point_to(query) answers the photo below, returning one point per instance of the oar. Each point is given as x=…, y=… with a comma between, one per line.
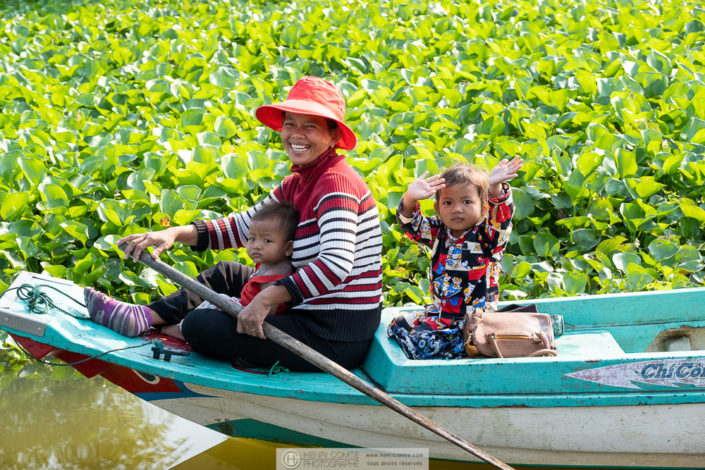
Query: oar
x=318, y=359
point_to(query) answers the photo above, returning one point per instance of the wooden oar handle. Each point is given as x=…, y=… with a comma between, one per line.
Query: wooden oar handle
x=226, y=305
x=314, y=357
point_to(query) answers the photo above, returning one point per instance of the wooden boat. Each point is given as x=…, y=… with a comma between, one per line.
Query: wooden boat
x=627, y=388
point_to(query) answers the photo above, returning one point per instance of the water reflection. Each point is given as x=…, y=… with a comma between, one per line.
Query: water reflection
x=56, y=419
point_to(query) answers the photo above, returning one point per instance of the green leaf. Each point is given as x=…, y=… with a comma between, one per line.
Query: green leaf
x=171, y=202
x=523, y=204
x=416, y=294
x=546, y=245
x=13, y=205
x=694, y=131
x=637, y=278
x=113, y=211
x=691, y=210
x=647, y=187
x=626, y=163
x=33, y=169
x=588, y=162
x=585, y=238
x=192, y=117
x=662, y=249
x=574, y=282
x=225, y=127
x=622, y=260
x=233, y=166
x=224, y=77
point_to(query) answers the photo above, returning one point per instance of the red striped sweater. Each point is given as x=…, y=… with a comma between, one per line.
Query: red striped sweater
x=337, y=247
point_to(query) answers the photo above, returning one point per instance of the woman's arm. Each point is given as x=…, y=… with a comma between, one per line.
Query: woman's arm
x=229, y=232
x=161, y=240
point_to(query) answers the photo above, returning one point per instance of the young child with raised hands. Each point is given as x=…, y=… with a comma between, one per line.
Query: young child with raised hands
x=467, y=236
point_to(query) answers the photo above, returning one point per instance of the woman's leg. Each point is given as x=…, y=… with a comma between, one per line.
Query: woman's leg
x=132, y=320
x=213, y=333
x=226, y=277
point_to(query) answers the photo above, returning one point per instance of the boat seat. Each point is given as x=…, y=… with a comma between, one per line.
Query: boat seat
x=593, y=343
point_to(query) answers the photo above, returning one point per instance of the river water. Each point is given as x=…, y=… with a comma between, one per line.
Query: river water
x=54, y=418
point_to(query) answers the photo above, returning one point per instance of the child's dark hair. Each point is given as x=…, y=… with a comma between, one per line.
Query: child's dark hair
x=464, y=173
x=284, y=212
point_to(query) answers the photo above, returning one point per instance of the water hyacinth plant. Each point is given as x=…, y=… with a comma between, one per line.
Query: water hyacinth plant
x=121, y=117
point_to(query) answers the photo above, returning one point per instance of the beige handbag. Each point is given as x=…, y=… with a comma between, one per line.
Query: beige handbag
x=508, y=334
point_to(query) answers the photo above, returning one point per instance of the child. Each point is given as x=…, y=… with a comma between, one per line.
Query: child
x=270, y=244
x=467, y=235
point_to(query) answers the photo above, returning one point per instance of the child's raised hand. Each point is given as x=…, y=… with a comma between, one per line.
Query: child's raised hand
x=505, y=170
x=424, y=188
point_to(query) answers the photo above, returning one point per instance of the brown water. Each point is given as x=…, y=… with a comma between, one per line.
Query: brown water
x=66, y=421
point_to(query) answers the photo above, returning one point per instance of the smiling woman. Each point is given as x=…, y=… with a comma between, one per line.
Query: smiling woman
x=334, y=295
x=305, y=137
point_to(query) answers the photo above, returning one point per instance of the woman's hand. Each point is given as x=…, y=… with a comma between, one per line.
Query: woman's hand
x=250, y=319
x=162, y=241
x=421, y=188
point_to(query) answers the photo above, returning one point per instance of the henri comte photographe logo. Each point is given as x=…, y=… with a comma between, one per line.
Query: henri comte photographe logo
x=351, y=458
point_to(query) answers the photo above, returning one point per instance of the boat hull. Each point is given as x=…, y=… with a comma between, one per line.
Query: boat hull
x=662, y=436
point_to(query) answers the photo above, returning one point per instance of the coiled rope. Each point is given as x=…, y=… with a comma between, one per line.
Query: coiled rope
x=39, y=302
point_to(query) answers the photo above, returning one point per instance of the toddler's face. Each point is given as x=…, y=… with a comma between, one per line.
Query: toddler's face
x=460, y=207
x=267, y=243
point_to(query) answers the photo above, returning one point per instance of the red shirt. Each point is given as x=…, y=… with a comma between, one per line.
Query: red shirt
x=254, y=286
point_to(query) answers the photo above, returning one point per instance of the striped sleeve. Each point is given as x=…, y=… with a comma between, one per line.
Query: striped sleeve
x=232, y=231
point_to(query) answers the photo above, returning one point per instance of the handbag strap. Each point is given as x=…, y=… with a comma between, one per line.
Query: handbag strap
x=493, y=342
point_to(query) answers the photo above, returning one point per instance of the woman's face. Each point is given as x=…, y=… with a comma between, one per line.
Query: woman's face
x=305, y=137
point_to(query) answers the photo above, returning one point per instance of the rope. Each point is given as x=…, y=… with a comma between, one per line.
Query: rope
x=39, y=302
x=89, y=358
x=277, y=369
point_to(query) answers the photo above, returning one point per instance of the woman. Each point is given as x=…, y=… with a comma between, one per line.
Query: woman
x=334, y=294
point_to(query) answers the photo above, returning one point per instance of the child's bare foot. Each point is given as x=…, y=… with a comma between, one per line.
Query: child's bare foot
x=173, y=330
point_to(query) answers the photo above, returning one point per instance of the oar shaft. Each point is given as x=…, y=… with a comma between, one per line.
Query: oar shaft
x=318, y=359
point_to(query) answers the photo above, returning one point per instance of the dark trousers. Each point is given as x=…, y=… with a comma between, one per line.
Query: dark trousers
x=213, y=333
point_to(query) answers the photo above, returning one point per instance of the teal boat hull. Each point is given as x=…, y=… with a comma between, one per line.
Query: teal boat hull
x=627, y=388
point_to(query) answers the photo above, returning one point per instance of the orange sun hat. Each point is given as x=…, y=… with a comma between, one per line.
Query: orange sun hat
x=313, y=96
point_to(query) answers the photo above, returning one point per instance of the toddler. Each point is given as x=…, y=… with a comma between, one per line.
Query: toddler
x=467, y=236
x=270, y=244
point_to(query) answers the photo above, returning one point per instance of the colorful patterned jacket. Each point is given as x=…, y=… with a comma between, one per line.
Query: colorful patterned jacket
x=464, y=270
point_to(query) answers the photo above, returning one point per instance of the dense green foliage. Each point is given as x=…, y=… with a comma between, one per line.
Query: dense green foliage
x=120, y=116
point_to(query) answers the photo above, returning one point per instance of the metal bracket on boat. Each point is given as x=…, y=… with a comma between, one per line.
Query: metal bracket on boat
x=23, y=322
x=158, y=349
